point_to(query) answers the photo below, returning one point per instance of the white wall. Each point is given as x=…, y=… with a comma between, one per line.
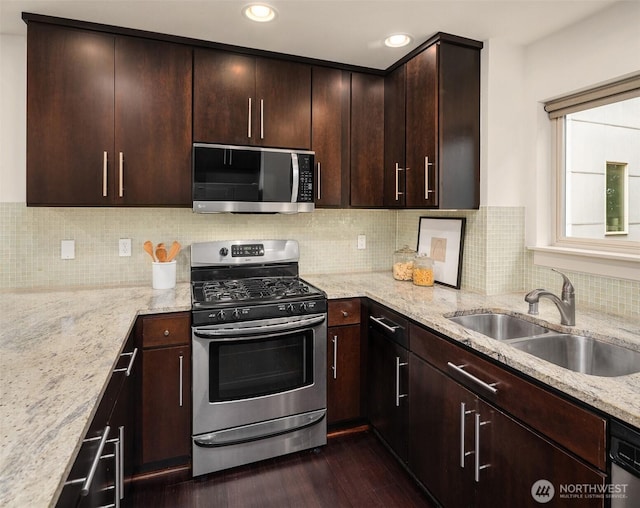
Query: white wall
x=13, y=100
x=600, y=49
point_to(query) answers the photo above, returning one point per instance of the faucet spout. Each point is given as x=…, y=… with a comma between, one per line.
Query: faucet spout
x=566, y=305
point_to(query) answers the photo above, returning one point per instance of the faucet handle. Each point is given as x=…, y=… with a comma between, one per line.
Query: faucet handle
x=567, y=287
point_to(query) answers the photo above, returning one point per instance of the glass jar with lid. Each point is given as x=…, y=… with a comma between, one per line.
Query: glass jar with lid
x=423, y=271
x=403, y=263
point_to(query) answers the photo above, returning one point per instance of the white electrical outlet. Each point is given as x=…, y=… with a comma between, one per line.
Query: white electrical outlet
x=362, y=242
x=68, y=249
x=124, y=247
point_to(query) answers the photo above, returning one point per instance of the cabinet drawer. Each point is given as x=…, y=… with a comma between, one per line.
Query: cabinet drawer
x=166, y=330
x=571, y=426
x=344, y=312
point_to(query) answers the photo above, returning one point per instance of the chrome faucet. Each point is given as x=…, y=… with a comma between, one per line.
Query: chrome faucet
x=566, y=305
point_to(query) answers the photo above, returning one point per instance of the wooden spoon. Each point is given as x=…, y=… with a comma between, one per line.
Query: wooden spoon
x=148, y=247
x=173, y=251
x=161, y=253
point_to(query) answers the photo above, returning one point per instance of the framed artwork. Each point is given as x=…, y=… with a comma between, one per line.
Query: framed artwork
x=442, y=239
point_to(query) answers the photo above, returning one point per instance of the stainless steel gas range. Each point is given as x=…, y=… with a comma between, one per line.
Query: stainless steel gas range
x=259, y=341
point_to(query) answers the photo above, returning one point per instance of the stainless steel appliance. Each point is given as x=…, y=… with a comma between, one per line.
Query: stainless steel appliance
x=625, y=466
x=251, y=179
x=259, y=342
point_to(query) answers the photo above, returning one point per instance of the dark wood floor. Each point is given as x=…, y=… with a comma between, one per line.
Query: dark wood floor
x=353, y=470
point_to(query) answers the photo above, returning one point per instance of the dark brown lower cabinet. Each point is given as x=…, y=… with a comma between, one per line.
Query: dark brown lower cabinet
x=388, y=402
x=165, y=438
x=343, y=374
x=467, y=452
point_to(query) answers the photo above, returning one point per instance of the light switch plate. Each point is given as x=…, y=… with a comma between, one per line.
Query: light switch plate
x=362, y=242
x=68, y=249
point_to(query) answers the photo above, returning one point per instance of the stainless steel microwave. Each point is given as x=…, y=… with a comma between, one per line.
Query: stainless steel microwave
x=251, y=179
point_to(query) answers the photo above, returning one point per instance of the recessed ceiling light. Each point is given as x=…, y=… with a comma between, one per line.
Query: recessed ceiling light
x=259, y=12
x=397, y=40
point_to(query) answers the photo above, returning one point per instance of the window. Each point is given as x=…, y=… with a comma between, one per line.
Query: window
x=597, y=138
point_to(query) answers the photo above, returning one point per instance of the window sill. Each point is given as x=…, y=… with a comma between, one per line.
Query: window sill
x=607, y=264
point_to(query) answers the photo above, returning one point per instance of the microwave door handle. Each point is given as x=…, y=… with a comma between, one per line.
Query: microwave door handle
x=295, y=176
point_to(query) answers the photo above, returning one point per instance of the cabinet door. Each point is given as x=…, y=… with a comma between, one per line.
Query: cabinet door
x=153, y=123
x=438, y=442
x=387, y=387
x=394, y=138
x=512, y=458
x=343, y=373
x=224, y=102
x=70, y=95
x=367, y=140
x=422, y=129
x=329, y=127
x=166, y=405
x=283, y=96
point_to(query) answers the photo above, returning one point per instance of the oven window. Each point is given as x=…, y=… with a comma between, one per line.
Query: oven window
x=253, y=368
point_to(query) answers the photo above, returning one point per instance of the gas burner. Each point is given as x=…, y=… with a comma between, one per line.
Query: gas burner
x=253, y=289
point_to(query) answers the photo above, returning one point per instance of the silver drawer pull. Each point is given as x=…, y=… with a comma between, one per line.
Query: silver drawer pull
x=379, y=321
x=398, y=394
x=487, y=386
x=334, y=367
x=88, y=480
x=128, y=368
x=477, y=451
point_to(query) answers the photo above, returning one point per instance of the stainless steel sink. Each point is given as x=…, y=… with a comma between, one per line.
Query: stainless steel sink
x=499, y=326
x=581, y=354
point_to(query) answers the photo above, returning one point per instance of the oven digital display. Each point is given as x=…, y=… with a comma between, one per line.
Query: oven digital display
x=240, y=251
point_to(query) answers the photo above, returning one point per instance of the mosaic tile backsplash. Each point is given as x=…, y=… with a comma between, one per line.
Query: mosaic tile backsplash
x=495, y=260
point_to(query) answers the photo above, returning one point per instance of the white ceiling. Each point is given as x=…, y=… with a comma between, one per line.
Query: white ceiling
x=347, y=31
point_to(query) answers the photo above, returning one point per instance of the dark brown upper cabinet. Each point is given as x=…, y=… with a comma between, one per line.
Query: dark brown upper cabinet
x=108, y=119
x=367, y=140
x=330, y=135
x=432, y=128
x=246, y=100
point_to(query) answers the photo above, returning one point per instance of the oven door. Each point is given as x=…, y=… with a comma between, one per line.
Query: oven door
x=256, y=371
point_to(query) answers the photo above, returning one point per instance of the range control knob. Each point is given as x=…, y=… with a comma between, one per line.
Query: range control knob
x=221, y=315
x=236, y=313
x=224, y=251
x=303, y=306
x=291, y=307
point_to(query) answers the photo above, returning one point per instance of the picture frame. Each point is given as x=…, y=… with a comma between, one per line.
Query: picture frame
x=442, y=239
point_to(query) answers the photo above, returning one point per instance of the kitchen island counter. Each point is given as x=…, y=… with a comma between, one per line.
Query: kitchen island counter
x=57, y=352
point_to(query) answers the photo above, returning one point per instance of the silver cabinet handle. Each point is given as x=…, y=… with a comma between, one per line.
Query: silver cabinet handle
x=345, y=314
x=334, y=368
x=121, y=461
x=427, y=191
x=121, y=174
x=105, y=158
x=261, y=118
x=319, y=181
x=398, y=394
x=128, y=368
x=398, y=193
x=379, y=321
x=88, y=480
x=180, y=381
x=249, y=122
x=463, y=417
x=118, y=487
x=460, y=370
x=477, y=449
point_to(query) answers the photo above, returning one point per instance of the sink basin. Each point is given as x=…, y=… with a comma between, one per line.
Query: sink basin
x=581, y=354
x=499, y=326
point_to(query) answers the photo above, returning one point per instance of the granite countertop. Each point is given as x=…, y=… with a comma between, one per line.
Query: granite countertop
x=58, y=348
x=57, y=351
x=430, y=306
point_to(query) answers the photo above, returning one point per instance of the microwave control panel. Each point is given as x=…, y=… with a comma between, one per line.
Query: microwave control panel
x=305, y=189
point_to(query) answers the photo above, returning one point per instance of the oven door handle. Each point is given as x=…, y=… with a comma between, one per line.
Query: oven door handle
x=253, y=330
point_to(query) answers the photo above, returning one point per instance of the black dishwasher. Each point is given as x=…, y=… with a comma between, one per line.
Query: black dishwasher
x=625, y=466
